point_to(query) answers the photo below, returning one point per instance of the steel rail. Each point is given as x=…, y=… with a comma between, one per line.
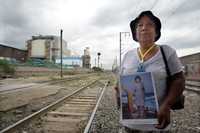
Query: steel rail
x=195, y=86
x=87, y=128
x=42, y=111
x=192, y=89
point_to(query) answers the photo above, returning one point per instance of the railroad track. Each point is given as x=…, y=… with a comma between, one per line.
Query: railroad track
x=193, y=85
x=42, y=83
x=72, y=113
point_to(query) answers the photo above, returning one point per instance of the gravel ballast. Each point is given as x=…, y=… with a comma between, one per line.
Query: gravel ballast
x=182, y=121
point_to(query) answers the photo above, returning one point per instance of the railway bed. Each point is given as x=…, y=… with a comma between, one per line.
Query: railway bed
x=69, y=114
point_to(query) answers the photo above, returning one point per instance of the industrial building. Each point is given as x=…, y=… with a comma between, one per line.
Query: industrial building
x=11, y=53
x=86, y=58
x=191, y=65
x=74, y=60
x=46, y=48
x=71, y=61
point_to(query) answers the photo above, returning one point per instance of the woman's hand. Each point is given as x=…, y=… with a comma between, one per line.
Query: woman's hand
x=116, y=88
x=163, y=116
x=176, y=87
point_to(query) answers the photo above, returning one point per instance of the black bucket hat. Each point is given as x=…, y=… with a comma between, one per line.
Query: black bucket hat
x=149, y=14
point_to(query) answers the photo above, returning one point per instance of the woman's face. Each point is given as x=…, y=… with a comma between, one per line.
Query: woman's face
x=145, y=31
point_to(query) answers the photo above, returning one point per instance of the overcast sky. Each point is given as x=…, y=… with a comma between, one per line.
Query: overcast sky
x=97, y=23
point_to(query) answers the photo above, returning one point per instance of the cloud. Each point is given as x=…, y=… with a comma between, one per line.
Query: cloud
x=12, y=14
x=120, y=12
x=187, y=7
x=13, y=21
x=97, y=23
x=18, y=22
x=184, y=43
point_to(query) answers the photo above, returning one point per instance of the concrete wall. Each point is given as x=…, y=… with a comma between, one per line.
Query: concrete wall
x=190, y=58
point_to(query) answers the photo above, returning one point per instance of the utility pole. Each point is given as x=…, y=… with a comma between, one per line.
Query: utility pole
x=61, y=58
x=95, y=62
x=120, y=46
x=98, y=54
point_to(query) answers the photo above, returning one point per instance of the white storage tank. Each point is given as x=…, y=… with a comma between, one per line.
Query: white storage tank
x=38, y=48
x=46, y=47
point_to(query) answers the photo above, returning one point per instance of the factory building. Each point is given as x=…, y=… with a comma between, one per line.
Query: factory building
x=71, y=61
x=86, y=58
x=191, y=65
x=12, y=54
x=46, y=47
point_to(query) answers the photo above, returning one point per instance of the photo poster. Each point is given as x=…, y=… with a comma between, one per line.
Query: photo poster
x=138, y=99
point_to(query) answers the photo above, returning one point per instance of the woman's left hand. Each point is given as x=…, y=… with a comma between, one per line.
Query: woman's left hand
x=163, y=116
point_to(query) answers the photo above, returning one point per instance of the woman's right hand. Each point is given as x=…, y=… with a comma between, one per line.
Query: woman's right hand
x=116, y=88
x=163, y=116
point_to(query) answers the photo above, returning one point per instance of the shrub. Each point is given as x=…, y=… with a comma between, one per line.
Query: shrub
x=97, y=69
x=6, y=68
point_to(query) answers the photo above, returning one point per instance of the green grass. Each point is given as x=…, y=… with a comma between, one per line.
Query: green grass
x=6, y=68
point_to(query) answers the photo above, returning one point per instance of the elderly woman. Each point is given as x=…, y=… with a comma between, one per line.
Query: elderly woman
x=148, y=58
